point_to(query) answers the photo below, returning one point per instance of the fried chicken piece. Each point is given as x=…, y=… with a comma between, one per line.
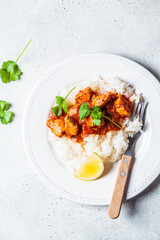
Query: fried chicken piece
x=89, y=121
x=71, y=126
x=56, y=126
x=84, y=95
x=94, y=96
x=123, y=105
x=101, y=100
x=74, y=111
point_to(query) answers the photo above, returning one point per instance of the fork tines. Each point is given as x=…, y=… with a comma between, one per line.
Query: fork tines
x=139, y=111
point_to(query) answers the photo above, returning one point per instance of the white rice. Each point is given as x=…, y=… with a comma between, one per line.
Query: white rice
x=110, y=146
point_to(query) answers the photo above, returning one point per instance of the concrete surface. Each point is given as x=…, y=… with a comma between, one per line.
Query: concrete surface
x=62, y=29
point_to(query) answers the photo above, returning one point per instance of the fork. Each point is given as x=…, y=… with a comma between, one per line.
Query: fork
x=138, y=111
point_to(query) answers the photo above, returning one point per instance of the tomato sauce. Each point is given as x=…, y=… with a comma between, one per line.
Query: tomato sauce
x=117, y=109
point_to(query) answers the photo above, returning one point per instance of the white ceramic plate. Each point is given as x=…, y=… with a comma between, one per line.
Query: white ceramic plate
x=147, y=164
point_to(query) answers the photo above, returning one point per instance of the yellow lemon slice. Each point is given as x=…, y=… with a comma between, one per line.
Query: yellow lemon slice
x=92, y=169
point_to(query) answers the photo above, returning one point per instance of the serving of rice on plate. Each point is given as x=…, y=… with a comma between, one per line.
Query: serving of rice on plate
x=111, y=146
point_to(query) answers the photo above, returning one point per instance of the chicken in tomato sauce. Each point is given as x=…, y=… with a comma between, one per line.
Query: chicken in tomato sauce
x=114, y=106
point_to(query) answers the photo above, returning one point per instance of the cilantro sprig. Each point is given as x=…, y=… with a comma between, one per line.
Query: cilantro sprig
x=111, y=121
x=5, y=115
x=84, y=111
x=10, y=70
x=95, y=113
x=61, y=104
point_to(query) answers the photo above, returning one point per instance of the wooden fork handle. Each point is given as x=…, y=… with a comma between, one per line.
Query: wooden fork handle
x=117, y=197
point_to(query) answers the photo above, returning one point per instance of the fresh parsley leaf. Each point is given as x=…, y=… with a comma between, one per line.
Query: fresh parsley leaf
x=4, y=105
x=97, y=121
x=10, y=70
x=84, y=111
x=59, y=100
x=13, y=70
x=61, y=104
x=96, y=113
x=64, y=105
x=57, y=110
x=4, y=75
x=1, y=113
x=5, y=116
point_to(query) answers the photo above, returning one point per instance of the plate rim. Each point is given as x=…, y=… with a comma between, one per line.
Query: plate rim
x=26, y=142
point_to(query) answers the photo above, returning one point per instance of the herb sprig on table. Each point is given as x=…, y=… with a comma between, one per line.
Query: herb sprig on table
x=95, y=113
x=5, y=115
x=10, y=70
x=61, y=105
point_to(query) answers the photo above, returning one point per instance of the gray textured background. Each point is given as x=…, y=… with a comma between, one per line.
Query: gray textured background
x=62, y=29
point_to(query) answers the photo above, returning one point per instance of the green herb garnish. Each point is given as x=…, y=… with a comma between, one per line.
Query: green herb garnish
x=95, y=112
x=84, y=111
x=112, y=121
x=61, y=104
x=10, y=70
x=96, y=115
x=5, y=115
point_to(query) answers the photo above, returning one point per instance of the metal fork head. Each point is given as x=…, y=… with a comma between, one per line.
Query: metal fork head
x=139, y=111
